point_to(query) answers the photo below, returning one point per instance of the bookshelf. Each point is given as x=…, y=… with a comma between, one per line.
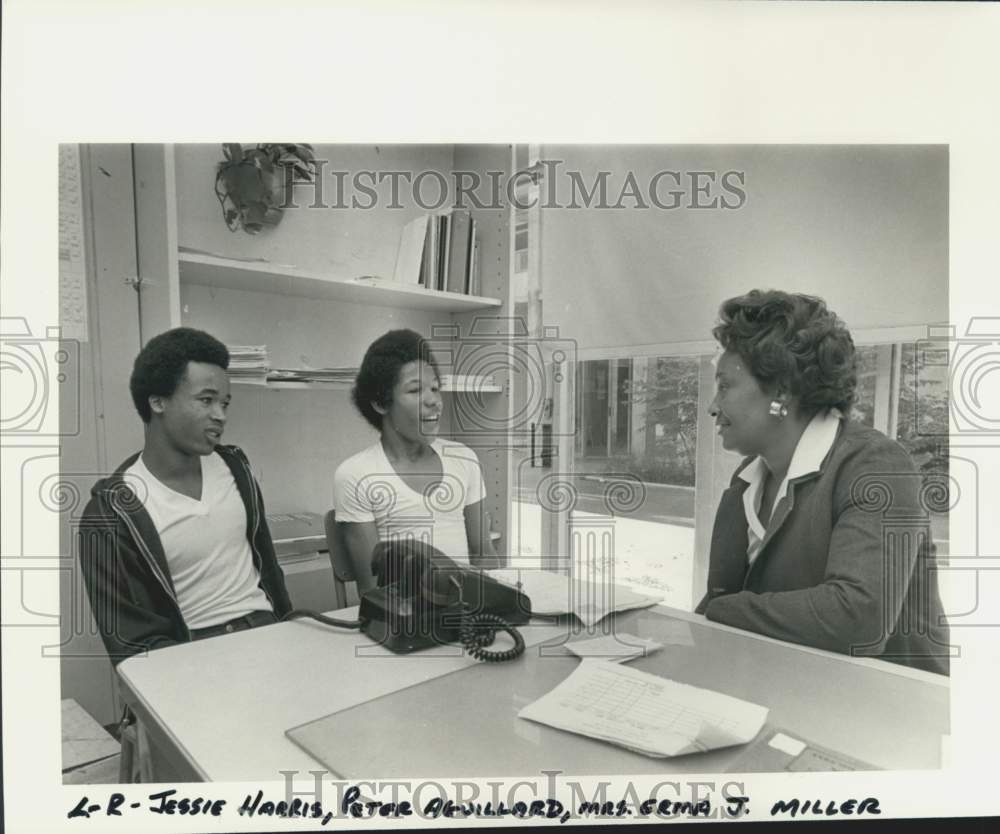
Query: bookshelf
x=480, y=385
x=229, y=273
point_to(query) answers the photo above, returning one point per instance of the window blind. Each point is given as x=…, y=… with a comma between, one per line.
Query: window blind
x=640, y=244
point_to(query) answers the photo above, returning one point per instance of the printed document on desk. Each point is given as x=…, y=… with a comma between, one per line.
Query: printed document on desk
x=646, y=713
x=555, y=593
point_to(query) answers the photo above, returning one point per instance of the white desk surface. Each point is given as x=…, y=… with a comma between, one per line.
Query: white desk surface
x=223, y=705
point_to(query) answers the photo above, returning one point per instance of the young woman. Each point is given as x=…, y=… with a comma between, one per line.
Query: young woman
x=410, y=483
x=821, y=538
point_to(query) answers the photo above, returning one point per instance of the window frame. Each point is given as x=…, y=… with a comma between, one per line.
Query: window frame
x=714, y=465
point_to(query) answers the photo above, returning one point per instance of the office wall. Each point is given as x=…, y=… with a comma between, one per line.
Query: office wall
x=342, y=242
x=865, y=227
x=108, y=427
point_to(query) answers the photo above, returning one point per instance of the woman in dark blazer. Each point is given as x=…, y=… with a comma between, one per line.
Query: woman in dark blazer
x=822, y=537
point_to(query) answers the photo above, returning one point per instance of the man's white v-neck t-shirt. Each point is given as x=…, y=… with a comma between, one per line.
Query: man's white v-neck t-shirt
x=205, y=543
x=367, y=489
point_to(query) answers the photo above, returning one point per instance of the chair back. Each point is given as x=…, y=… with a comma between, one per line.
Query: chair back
x=340, y=559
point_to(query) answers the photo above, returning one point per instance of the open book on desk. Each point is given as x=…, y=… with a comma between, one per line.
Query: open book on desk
x=645, y=713
x=556, y=593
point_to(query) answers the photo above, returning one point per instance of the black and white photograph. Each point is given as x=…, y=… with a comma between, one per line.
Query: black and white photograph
x=463, y=476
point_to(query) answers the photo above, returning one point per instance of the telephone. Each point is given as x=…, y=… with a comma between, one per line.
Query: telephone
x=424, y=599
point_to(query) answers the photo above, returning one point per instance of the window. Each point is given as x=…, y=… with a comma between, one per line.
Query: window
x=636, y=422
x=635, y=426
x=864, y=402
x=922, y=426
x=916, y=411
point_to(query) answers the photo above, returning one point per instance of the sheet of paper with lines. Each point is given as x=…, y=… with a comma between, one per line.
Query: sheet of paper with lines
x=646, y=713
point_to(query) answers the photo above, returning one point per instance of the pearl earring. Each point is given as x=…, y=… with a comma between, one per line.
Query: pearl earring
x=778, y=409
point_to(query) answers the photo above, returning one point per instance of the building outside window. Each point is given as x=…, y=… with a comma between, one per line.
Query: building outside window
x=636, y=419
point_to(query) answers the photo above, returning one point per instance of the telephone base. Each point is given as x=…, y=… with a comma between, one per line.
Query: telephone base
x=402, y=628
x=429, y=597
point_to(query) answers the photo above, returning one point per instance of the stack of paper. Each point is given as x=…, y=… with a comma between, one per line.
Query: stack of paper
x=466, y=382
x=554, y=593
x=334, y=376
x=645, y=713
x=248, y=363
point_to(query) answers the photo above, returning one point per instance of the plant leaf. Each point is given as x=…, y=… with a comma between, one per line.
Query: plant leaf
x=247, y=187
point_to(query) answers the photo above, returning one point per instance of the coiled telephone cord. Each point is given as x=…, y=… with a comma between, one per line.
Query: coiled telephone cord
x=478, y=631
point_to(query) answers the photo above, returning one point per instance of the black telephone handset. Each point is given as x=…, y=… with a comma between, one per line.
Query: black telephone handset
x=424, y=599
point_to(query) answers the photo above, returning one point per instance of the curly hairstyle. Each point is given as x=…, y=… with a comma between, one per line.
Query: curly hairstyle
x=794, y=342
x=379, y=371
x=161, y=364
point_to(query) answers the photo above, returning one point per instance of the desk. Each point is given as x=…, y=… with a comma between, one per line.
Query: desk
x=219, y=708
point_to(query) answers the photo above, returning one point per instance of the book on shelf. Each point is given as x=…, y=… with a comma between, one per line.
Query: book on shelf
x=411, y=251
x=472, y=287
x=440, y=252
x=444, y=243
x=429, y=263
x=459, y=246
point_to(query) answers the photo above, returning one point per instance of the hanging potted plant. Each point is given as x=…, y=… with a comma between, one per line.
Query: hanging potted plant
x=253, y=184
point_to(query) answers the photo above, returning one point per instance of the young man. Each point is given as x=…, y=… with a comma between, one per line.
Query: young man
x=174, y=545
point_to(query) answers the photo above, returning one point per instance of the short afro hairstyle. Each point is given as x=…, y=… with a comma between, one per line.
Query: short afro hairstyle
x=161, y=364
x=792, y=341
x=379, y=371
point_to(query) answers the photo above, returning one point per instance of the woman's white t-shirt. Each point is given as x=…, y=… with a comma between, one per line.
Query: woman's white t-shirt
x=367, y=489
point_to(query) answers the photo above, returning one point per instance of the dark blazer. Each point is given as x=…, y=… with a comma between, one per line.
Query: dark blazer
x=847, y=563
x=125, y=569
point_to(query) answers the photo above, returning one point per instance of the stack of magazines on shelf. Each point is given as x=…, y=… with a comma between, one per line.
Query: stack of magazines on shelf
x=468, y=383
x=440, y=252
x=332, y=376
x=248, y=363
